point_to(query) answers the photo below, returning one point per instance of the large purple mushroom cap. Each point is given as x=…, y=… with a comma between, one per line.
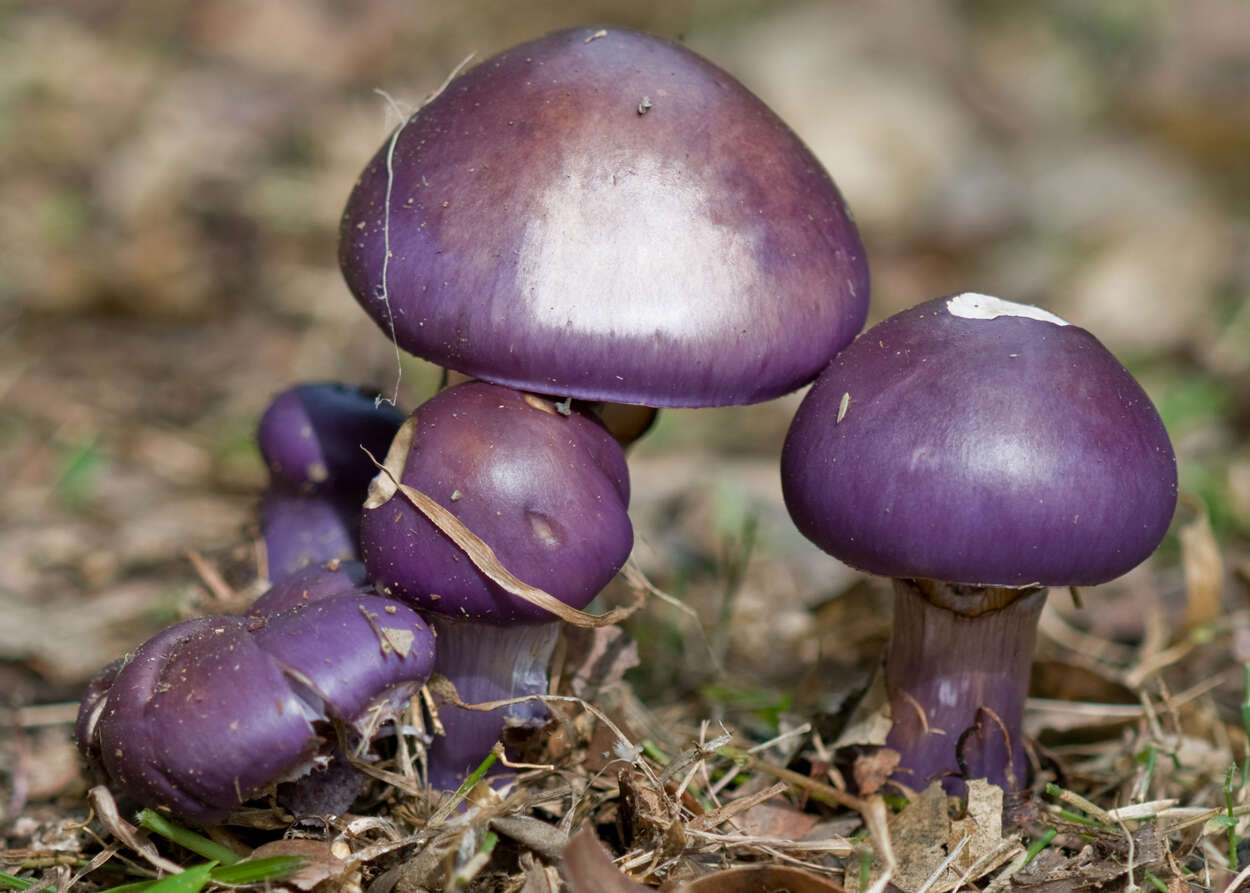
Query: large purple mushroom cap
x=311, y=436
x=603, y=214
x=973, y=440
x=216, y=711
x=546, y=491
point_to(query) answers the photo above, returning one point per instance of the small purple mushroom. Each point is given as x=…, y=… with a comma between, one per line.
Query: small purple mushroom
x=214, y=712
x=602, y=214
x=548, y=493
x=310, y=438
x=976, y=451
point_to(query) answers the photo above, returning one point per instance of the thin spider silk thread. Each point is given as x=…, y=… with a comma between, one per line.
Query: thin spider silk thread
x=382, y=290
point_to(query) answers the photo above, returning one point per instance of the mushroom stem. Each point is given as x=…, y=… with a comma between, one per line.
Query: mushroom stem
x=957, y=673
x=486, y=662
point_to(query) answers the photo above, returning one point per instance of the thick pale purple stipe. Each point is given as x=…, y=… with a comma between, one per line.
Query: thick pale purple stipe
x=603, y=214
x=973, y=441
x=486, y=663
x=957, y=687
x=311, y=439
x=216, y=711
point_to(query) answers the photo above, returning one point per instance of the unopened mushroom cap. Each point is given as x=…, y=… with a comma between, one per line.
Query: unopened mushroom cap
x=311, y=435
x=546, y=491
x=977, y=441
x=313, y=438
x=603, y=214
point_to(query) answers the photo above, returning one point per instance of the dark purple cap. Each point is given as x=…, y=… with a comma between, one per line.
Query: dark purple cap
x=200, y=720
x=215, y=711
x=311, y=437
x=603, y=214
x=973, y=440
x=547, y=492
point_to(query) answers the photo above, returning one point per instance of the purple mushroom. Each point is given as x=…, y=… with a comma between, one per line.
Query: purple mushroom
x=602, y=214
x=310, y=438
x=548, y=492
x=977, y=451
x=214, y=712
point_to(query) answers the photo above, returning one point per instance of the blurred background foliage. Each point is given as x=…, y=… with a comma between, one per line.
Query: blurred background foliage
x=173, y=174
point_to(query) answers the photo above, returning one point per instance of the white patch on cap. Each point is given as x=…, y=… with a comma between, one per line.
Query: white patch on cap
x=971, y=305
x=626, y=247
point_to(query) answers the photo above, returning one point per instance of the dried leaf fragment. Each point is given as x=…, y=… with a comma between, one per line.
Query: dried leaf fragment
x=588, y=868
x=762, y=877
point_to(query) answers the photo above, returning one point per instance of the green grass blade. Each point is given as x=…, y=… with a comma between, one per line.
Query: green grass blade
x=190, y=881
x=1036, y=847
x=476, y=775
x=257, y=871
x=196, y=843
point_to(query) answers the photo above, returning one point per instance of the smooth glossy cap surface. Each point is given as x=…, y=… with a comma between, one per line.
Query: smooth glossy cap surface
x=303, y=531
x=973, y=446
x=312, y=584
x=311, y=435
x=603, y=214
x=547, y=492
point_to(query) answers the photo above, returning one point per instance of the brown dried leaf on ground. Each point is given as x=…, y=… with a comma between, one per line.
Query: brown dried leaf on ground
x=597, y=658
x=588, y=868
x=870, y=721
x=872, y=770
x=936, y=853
x=776, y=819
x=1204, y=568
x=754, y=879
x=320, y=863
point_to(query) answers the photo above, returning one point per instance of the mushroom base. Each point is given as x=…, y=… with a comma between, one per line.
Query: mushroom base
x=957, y=682
x=486, y=663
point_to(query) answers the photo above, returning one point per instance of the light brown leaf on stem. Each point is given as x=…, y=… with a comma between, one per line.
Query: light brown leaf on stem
x=387, y=483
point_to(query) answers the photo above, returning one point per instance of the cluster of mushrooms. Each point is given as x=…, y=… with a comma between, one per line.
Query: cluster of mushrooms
x=601, y=218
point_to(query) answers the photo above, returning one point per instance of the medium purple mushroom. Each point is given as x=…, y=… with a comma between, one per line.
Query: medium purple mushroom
x=548, y=493
x=310, y=438
x=602, y=214
x=977, y=451
x=214, y=712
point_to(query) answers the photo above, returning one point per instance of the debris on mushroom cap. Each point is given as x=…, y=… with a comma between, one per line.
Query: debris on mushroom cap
x=546, y=492
x=216, y=711
x=528, y=226
x=998, y=449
